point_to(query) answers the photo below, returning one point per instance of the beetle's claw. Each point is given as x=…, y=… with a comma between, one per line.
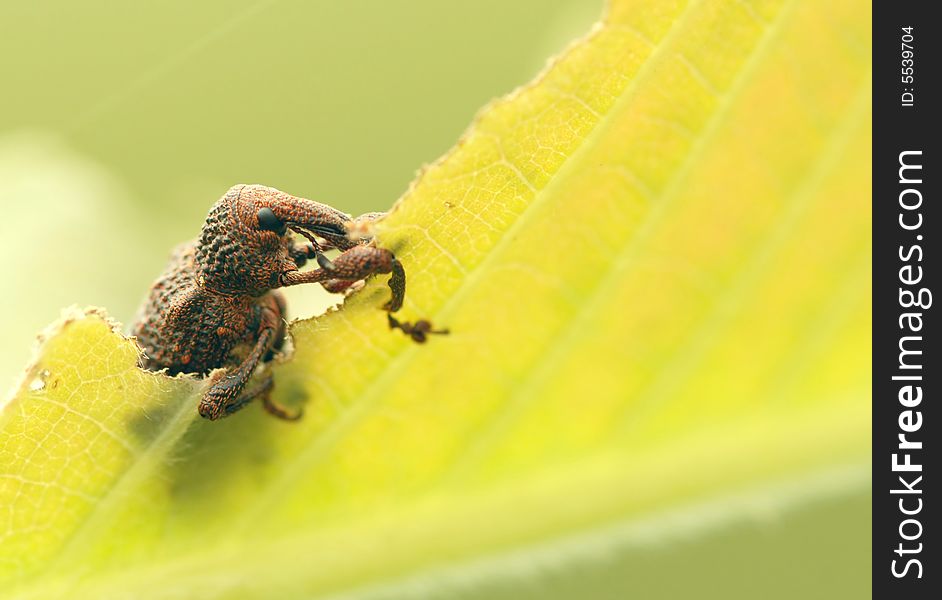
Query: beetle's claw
x=324, y=262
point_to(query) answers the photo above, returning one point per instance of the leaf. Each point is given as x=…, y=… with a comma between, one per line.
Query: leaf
x=655, y=264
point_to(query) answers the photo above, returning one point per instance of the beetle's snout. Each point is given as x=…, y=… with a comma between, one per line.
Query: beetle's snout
x=310, y=218
x=324, y=230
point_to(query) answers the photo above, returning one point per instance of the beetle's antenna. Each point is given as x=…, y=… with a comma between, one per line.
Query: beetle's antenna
x=310, y=237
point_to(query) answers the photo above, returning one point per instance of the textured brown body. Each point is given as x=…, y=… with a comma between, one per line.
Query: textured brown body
x=216, y=305
x=186, y=328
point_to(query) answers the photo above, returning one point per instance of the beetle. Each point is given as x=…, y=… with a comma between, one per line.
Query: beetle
x=217, y=306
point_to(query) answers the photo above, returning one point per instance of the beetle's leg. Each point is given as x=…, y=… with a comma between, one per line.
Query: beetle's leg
x=301, y=253
x=358, y=263
x=336, y=286
x=226, y=395
x=262, y=388
x=355, y=264
x=282, y=309
x=277, y=410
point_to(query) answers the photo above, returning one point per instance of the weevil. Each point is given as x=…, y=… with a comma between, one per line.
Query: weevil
x=217, y=306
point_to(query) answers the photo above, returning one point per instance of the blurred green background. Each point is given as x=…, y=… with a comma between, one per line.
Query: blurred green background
x=122, y=122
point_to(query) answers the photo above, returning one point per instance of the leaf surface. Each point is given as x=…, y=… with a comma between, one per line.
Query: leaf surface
x=655, y=264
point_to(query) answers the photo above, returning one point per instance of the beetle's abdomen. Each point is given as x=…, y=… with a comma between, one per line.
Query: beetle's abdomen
x=186, y=329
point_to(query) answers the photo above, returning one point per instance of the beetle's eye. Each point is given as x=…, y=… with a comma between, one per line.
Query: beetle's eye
x=267, y=221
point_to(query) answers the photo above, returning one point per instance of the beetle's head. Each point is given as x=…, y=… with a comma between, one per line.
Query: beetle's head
x=245, y=242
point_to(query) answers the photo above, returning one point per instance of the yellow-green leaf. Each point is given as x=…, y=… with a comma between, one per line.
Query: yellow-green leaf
x=654, y=262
